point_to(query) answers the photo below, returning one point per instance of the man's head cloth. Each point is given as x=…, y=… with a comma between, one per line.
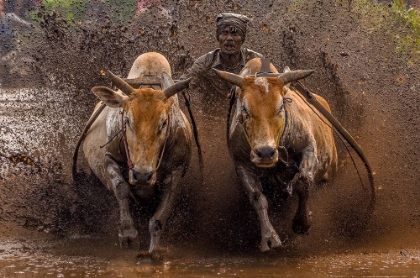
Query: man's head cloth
x=238, y=21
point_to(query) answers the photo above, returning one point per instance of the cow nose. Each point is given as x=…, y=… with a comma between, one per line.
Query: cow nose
x=142, y=177
x=265, y=153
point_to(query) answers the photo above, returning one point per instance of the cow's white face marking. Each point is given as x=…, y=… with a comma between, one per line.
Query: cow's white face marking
x=262, y=81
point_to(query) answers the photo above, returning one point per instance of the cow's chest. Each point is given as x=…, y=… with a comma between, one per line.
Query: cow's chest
x=278, y=175
x=276, y=181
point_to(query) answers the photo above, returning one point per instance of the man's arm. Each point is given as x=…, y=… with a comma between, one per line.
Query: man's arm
x=199, y=69
x=12, y=19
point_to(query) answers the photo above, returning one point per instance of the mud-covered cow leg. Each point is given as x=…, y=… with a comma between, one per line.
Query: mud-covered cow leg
x=302, y=182
x=127, y=232
x=269, y=237
x=157, y=223
x=301, y=223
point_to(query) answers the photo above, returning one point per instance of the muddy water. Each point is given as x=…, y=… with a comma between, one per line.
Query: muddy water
x=39, y=196
x=21, y=261
x=44, y=124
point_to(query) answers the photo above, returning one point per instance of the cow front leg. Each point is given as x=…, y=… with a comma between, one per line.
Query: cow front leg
x=302, y=182
x=301, y=221
x=269, y=237
x=170, y=193
x=127, y=232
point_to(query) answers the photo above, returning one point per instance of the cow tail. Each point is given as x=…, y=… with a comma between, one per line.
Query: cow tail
x=82, y=137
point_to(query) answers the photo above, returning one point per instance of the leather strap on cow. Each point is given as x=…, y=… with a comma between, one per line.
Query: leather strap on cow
x=265, y=70
x=304, y=92
x=124, y=139
x=168, y=126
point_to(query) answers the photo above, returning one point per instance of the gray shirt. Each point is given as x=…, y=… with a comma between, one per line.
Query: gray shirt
x=211, y=89
x=8, y=23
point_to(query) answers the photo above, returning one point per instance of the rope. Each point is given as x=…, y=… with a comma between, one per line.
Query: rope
x=124, y=139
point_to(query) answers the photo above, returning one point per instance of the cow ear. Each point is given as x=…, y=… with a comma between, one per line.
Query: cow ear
x=109, y=97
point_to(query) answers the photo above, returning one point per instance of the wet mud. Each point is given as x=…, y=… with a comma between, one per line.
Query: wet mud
x=51, y=226
x=96, y=257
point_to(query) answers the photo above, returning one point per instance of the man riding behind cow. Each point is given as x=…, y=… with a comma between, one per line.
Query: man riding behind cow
x=210, y=105
x=231, y=57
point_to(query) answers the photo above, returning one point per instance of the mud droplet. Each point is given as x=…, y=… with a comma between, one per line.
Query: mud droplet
x=265, y=29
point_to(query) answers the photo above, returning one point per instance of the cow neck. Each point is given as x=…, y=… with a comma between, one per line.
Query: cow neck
x=124, y=139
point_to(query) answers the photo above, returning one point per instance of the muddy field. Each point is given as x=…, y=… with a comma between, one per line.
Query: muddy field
x=52, y=227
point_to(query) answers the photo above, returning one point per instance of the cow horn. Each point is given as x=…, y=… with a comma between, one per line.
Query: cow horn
x=120, y=83
x=294, y=75
x=176, y=88
x=230, y=77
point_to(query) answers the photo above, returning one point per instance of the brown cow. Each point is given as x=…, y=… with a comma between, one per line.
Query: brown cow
x=155, y=142
x=275, y=135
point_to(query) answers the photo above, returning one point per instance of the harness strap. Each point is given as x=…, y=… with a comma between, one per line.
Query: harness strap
x=282, y=127
x=164, y=144
x=265, y=65
x=124, y=139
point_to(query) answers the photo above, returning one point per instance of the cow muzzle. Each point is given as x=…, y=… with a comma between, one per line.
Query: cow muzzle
x=147, y=177
x=264, y=157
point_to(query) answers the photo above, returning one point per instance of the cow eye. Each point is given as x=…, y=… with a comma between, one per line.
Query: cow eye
x=165, y=122
x=127, y=122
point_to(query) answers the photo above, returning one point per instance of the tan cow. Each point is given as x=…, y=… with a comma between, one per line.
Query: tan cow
x=144, y=130
x=276, y=136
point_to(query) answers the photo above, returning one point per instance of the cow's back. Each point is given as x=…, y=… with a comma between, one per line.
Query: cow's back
x=150, y=63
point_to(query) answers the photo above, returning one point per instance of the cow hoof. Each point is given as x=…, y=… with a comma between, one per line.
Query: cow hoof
x=270, y=242
x=157, y=256
x=300, y=227
x=144, y=258
x=127, y=242
x=128, y=238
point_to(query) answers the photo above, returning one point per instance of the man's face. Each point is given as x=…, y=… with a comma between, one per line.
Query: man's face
x=230, y=41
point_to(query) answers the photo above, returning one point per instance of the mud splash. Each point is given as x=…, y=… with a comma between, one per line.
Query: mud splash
x=374, y=96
